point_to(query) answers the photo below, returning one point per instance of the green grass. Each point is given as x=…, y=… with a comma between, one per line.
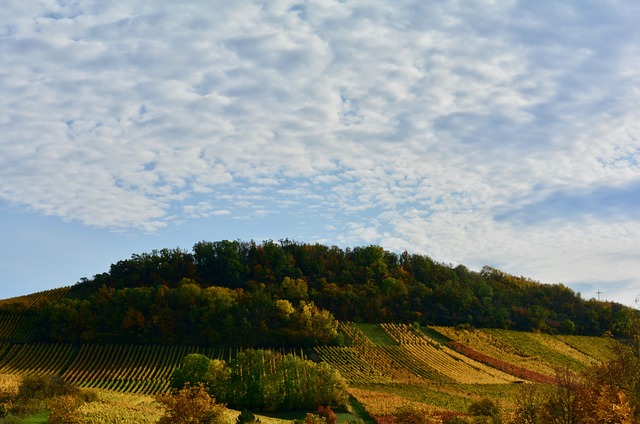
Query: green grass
x=435, y=335
x=39, y=418
x=376, y=334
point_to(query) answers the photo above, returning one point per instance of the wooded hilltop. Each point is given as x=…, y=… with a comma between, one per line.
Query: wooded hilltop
x=283, y=294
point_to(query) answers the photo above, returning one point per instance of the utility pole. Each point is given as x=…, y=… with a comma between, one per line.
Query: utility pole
x=599, y=293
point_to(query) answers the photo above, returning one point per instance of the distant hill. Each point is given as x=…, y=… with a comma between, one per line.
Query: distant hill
x=290, y=294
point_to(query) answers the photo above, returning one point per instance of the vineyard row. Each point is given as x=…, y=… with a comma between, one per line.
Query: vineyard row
x=143, y=369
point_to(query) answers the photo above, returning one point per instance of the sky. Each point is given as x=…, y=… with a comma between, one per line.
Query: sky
x=502, y=133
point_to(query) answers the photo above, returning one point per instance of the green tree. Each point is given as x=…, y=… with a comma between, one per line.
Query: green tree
x=196, y=369
x=259, y=379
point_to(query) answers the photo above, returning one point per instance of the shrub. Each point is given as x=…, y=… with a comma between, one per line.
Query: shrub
x=314, y=419
x=35, y=394
x=192, y=405
x=44, y=387
x=64, y=410
x=451, y=417
x=327, y=413
x=9, y=386
x=409, y=414
x=246, y=417
x=484, y=408
x=88, y=395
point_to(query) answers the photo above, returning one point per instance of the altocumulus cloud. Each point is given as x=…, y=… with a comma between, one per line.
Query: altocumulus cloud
x=438, y=127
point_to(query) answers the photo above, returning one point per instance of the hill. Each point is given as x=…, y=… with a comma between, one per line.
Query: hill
x=288, y=294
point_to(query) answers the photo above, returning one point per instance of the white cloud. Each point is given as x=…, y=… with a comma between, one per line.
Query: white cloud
x=410, y=124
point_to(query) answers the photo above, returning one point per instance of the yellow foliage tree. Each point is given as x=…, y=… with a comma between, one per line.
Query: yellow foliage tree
x=192, y=405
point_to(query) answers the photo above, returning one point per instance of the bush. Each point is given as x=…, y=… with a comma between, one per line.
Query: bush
x=246, y=417
x=64, y=410
x=314, y=419
x=35, y=394
x=327, y=413
x=485, y=411
x=9, y=386
x=192, y=405
x=409, y=414
x=451, y=417
x=484, y=408
x=44, y=387
x=88, y=395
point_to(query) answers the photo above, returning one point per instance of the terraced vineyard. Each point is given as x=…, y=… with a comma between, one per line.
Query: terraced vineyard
x=36, y=299
x=18, y=325
x=545, y=349
x=489, y=349
x=597, y=348
x=443, y=360
x=142, y=369
x=386, y=365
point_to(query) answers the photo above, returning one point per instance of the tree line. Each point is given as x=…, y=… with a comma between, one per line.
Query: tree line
x=263, y=380
x=291, y=294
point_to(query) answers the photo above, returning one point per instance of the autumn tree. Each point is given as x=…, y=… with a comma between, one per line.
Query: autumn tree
x=192, y=405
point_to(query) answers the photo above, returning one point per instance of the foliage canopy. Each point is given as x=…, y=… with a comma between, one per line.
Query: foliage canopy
x=233, y=293
x=263, y=380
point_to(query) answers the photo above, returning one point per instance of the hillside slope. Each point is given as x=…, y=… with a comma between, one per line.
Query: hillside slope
x=287, y=294
x=385, y=365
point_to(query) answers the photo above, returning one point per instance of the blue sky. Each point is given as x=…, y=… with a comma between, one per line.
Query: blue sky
x=502, y=133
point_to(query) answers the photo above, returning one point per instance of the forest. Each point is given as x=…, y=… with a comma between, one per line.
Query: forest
x=286, y=293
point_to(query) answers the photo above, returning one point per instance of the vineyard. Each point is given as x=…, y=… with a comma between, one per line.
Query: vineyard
x=386, y=365
x=140, y=369
x=16, y=323
x=16, y=327
x=35, y=300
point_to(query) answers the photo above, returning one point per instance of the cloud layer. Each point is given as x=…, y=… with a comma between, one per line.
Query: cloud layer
x=500, y=132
